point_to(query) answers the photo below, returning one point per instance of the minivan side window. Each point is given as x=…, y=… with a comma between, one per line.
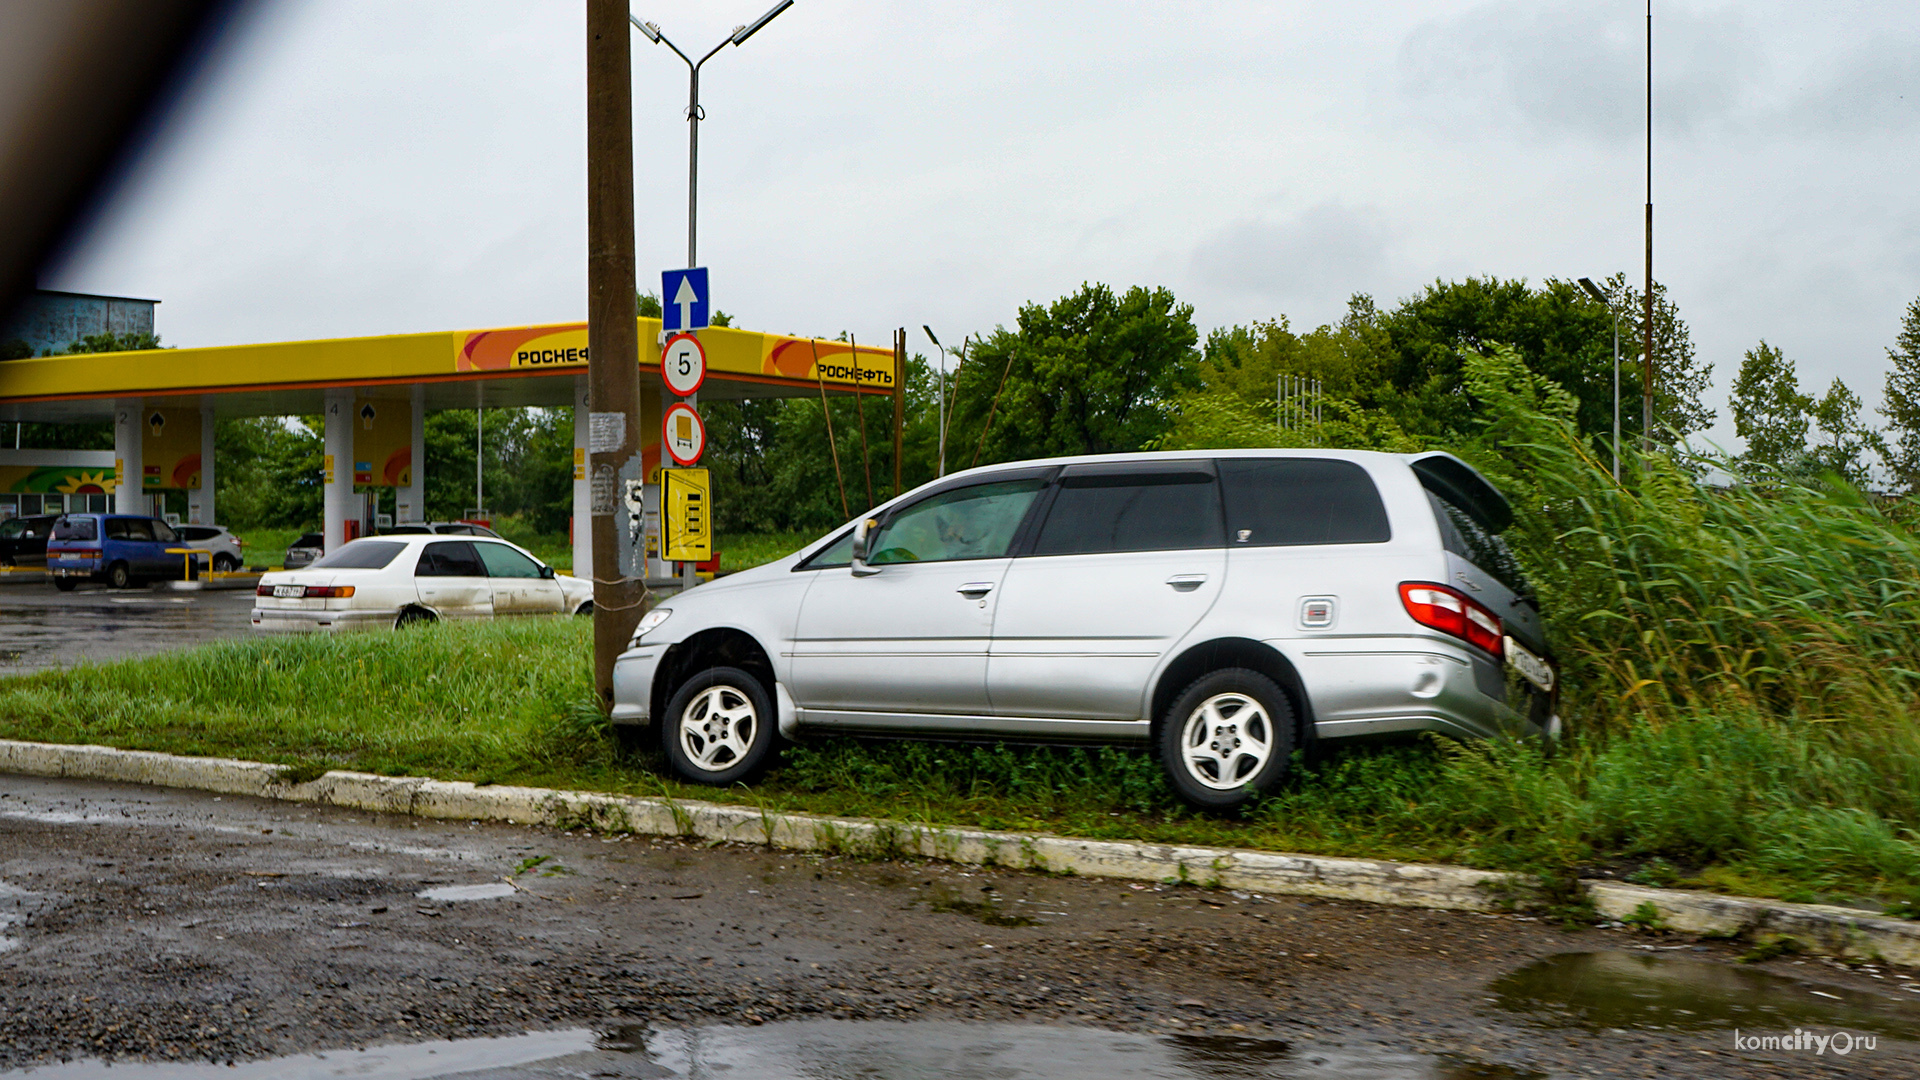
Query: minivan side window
x=1278, y=502
x=1465, y=536
x=1145, y=510
x=837, y=554
x=976, y=522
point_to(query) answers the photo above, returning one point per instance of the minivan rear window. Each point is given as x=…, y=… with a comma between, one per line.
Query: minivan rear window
x=1466, y=536
x=1280, y=502
x=77, y=528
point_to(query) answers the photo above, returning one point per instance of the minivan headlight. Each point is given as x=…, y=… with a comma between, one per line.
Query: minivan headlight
x=650, y=621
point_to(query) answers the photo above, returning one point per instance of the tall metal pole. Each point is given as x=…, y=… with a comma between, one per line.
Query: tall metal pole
x=1646, y=366
x=613, y=345
x=693, y=161
x=940, y=407
x=1616, y=394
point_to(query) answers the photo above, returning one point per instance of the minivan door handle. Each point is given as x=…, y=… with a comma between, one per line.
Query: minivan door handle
x=1187, y=582
x=974, y=590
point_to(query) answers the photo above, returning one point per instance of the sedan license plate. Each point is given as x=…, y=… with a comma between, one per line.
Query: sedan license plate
x=1531, y=668
x=289, y=592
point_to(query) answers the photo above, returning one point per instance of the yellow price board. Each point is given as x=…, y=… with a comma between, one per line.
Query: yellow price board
x=687, y=500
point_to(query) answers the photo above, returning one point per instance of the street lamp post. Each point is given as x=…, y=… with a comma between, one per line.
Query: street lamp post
x=1594, y=291
x=941, y=408
x=694, y=115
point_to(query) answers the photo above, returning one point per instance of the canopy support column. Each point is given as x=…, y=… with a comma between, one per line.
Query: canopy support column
x=410, y=502
x=582, y=490
x=339, y=514
x=129, y=432
x=200, y=500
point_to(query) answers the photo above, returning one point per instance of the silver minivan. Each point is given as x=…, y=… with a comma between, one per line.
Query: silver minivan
x=1225, y=608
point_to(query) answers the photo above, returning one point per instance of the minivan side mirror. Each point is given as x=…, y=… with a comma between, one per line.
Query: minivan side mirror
x=860, y=534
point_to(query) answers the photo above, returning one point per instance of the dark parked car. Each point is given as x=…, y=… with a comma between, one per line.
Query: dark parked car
x=119, y=549
x=309, y=547
x=23, y=540
x=443, y=528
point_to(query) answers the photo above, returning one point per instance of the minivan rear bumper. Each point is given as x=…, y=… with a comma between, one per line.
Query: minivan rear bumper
x=1380, y=685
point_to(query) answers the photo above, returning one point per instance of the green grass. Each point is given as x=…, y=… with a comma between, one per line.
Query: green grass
x=1732, y=801
x=742, y=550
x=266, y=547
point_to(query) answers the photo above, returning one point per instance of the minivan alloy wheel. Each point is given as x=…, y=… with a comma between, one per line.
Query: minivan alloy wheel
x=1227, y=741
x=717, y=727
x=720, y=727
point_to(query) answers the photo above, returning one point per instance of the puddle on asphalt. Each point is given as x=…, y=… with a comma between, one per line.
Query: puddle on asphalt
x=13, y=912
x=1645, y=992
x=486, y=890
x=827, y=1050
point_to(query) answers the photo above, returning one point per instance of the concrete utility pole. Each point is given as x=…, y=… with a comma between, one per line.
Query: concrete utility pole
x=613, y=336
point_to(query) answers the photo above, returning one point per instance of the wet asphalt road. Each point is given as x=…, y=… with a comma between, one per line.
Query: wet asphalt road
x=41, y=627
x=156, y=924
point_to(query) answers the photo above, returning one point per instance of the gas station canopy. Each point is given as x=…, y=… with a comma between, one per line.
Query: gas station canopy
x=459, y=369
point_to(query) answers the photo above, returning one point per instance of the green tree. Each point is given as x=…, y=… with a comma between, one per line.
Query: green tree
x=1679, y=379
x=1900, y=403
x=1091, y=373
x=1845, y=441
x=268, y=472
x=111, y=342
x=1770, y=412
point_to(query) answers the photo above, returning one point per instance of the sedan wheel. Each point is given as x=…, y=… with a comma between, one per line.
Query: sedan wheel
x=720, y=727
x=1227, y=739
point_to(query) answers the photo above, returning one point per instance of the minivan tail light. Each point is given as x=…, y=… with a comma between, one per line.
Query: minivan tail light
x=1450, y=612
x=80, y=553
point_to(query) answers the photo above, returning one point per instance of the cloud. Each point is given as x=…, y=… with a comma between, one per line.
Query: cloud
x=1576, y=70
x=1326, y=252
x=1874, y=88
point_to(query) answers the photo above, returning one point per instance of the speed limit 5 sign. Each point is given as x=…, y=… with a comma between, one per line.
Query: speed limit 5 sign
x=683, y=364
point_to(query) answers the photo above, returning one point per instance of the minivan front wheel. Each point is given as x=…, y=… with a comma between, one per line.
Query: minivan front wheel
x=1227, y=739
x=720, y=727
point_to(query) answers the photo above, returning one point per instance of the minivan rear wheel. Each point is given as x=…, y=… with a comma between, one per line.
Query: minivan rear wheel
x=719, y=728
x=1227, y=739
x=119, y=575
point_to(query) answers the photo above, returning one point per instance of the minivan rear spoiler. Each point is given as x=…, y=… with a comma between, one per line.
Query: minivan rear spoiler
x=1457, y=482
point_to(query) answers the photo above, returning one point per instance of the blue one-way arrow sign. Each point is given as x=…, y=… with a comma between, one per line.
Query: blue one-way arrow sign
x=684, y=300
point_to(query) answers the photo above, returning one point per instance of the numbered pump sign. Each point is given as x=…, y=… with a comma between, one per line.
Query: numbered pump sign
x=684, y=434
x=683, y=364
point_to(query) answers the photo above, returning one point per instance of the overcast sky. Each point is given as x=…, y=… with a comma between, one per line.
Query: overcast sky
x=376, y=167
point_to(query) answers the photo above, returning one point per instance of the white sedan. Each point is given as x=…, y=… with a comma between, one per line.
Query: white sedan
x=396, y=580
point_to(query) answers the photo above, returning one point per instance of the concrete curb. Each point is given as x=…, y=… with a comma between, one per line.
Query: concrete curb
x=1833, y=931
